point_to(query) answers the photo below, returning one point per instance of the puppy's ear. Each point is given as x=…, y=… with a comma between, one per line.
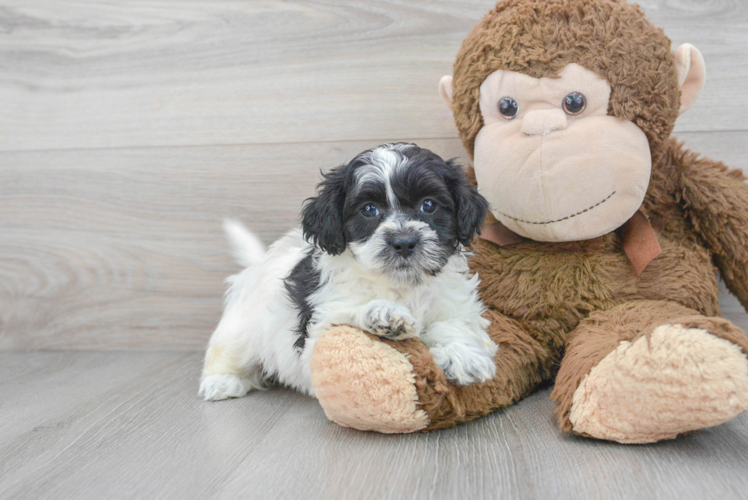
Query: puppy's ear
x=322, y=216
x=470, y=206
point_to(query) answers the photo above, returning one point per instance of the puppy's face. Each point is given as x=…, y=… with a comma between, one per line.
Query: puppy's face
x=400, y=210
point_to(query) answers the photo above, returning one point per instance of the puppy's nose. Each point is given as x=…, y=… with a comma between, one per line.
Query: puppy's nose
x=404, y=244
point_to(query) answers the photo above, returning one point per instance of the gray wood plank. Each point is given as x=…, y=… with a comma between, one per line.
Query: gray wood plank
x=122, y=249
x=48, y=384
x=148, y=436
x=117, y=73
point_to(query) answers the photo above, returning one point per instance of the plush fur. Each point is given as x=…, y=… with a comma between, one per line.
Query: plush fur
x=360, y=362
x=557, y=310
x=539, y=38
x=380, y=248
x=655, y=387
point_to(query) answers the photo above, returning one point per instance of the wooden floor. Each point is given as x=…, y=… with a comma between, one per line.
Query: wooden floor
x=130, y=128
x=129, y=425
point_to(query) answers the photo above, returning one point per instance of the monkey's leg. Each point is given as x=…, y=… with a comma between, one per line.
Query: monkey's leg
x=651, y=370
x=370, y=383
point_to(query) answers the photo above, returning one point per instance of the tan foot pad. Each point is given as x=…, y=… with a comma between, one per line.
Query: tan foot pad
x=365, y=384
x=675, y=381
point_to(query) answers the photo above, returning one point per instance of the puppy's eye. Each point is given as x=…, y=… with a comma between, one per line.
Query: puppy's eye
x=370, y=211
x=508, y=107
x=574, y=103
x=428, y=206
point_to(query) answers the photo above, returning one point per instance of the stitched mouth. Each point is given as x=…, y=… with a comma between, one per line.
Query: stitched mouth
x=563, y=218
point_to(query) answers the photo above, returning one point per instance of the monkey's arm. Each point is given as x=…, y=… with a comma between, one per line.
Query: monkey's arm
x=715, y=199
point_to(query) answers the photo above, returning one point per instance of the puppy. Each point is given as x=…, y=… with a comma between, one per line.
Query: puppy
x=380, y=248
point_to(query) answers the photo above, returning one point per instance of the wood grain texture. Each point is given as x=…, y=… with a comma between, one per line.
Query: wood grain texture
x=107, y=433
x=111, y=234
x=117, y=73
x=123, y=249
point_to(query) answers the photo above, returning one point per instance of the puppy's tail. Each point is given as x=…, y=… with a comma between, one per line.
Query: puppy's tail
x=246, y=248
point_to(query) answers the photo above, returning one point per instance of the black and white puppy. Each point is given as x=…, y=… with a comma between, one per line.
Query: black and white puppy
x=380, y=248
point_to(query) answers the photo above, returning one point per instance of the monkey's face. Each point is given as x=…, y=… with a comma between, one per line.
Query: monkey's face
x=551, y=162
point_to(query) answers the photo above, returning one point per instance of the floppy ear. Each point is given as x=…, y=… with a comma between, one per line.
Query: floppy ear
x=322, y=216
x=470, y=206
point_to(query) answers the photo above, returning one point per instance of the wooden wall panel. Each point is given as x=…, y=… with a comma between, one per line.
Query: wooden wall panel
x=129, y=129
x=124, y=248
x=117, y=73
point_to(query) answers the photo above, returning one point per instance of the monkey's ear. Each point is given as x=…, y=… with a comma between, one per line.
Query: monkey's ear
x=689, y=64
x=445, y=89
x=470, y=207
x=322, y=216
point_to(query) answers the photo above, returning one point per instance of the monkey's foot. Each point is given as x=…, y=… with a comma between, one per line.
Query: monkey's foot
x=677, y=380
x=365, y=384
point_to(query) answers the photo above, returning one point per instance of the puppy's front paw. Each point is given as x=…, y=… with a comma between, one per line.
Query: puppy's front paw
x=464, y=362
x=222, y=386
x=389, y=320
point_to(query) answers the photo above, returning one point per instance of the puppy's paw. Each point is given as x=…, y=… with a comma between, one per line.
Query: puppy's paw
x=222, y=386
x=464, y=362
x=389, y=320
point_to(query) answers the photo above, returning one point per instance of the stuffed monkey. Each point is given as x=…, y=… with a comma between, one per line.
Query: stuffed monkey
x=598, y=260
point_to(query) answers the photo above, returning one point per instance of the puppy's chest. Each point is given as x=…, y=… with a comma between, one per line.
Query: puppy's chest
x=365, y=291
x=361, y=292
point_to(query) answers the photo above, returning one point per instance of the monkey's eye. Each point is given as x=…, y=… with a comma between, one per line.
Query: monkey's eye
x=428, y=207
x=574, y=103
x=508, y=107
x=370, y=211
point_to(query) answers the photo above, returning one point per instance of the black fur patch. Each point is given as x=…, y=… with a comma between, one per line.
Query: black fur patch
x=321, y=216
x=429, y=175
x=333, y=218
x=300, y=284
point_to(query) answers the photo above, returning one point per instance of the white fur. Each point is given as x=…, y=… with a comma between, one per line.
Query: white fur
x=255, y=338
x=383, y=162
x=368, y=253
x=387, y=319
x=246, y=248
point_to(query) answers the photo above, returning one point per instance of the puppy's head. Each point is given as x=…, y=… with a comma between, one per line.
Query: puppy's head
x=400, y=210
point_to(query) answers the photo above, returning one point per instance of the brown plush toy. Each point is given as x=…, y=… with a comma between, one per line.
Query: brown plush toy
x=598, y=261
